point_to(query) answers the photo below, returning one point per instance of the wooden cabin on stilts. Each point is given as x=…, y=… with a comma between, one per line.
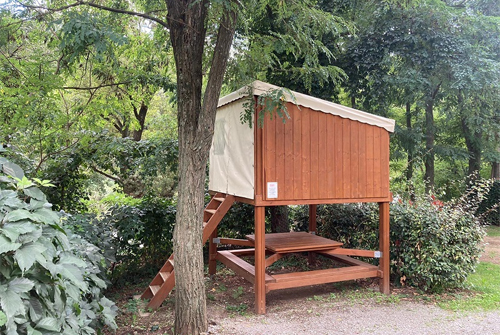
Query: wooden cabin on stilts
x=325, y=153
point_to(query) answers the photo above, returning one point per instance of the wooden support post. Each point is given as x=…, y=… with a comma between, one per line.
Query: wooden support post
x=312, y=228
x=260, y=260
x=212, y=253
x=384, y=241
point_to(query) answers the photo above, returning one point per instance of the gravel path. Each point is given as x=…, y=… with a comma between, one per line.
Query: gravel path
x=402, y=318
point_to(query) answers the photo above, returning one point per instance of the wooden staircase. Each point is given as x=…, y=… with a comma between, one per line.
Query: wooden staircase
x=163, y=283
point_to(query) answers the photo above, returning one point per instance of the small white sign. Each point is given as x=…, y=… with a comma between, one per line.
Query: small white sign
x=272, y=190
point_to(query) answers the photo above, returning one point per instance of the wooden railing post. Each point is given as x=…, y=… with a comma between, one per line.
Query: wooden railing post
x=384, y=241
x=260, y=260
x=212, y=253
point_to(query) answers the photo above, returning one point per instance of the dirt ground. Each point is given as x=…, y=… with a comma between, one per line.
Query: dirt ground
x=491, y=250
x=353, y=307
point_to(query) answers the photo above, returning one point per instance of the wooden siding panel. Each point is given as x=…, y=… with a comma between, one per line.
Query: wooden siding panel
x=369, y=162
x=346, y=158
x=376, y=163
x=314, y=154
x=288, y=167
x=354, y=181
x=306, y=153
x=362, y=160
x=322, y=161
x=384, y=158
x=280, y=157
x=330, y=156
x=297, y=151
x=339, y=191
x=319, y=156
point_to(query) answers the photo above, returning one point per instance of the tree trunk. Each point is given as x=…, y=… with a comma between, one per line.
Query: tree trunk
x=187, y=20
x=495, y=170
x=140, y=116
x=409, y=168
x=429, y=146
x=429, y=140
x=472, y=141
x=279, y=219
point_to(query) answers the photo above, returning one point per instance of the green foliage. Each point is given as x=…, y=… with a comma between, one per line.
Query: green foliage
x=271, y=102
x=433, y=246
x=489, y=209
x=51, y=280
x=135, y=238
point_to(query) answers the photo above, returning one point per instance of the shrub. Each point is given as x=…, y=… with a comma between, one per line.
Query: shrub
x=433, y=246
x=51, y=280
x=489, y=209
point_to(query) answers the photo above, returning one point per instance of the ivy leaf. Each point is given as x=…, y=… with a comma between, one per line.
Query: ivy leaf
x=51, y=324
x=35, y=193
x=20, y=285
x=3, y=318
x=6, y=245
x=26, y=255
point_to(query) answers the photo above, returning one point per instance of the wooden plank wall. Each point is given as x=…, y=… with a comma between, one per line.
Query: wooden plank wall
x=315, y=155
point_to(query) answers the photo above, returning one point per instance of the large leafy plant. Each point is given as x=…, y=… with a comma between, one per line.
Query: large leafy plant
x=51, y=280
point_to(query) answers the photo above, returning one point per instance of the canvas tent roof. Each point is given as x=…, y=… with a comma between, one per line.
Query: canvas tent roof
x=258, y=88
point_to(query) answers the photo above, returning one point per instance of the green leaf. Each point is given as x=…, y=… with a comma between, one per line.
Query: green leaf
x=67, y=258
x=28, y=254
x=20, y=285
x=51, y=324
x=17, y=215
x=11, y=303
x=6, y=245
x=32, y=331
x=14, y=229
x=36, y=309
x=13, y=170
x=3, y=318
x=35, y=193
x=46, y=216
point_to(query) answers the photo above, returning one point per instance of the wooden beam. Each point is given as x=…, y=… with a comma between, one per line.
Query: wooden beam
x=212, y=253
x=239, y=266
x=260, y=202
x=384, y=240
x=346, y=259
x=273, y=258
x=352, y=252
x=260, y=261
x=236, y=241
x=307, y=278
x=311, y=256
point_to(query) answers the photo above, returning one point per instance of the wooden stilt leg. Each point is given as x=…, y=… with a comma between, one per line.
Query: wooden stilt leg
x=260, y=261
x=384, y=240
x=212, y=253
x=312, y=229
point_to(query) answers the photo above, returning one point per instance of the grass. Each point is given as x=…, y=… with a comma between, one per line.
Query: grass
x=493, y=231
x=485, y=284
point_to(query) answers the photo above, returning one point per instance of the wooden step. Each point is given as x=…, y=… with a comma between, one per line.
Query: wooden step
x=219, y=199
x=171, y=261
x=154, y=289
x=205, y=224
x=164, y=275
x=211, y=211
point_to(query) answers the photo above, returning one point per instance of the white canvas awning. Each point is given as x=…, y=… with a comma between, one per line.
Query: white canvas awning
x=258, y=88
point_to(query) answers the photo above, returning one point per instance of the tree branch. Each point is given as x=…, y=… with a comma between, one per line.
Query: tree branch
x=95, y=87
x=116, y=179
x=92, y=4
